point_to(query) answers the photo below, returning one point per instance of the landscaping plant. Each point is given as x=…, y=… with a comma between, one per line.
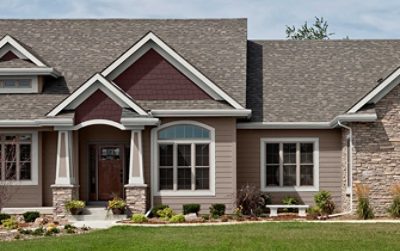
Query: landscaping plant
x=157, y=208
x=4, y=217
x=191, y=208
x=117, y=205
x=323, y=201
x=179, y=218
x=251, y=200
x=139, y=218
x=289, y=200
x=31, y=216
x=217, y=210
x=10, y=223
x=394, y=208
x=75, y=206
x=166, y=213
x=364, y=210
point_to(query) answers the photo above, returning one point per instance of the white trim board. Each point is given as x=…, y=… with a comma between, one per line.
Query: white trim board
x=7, y=39
x=89, y=87
x=309, y=125
x=202, y=113
x=151, y=41
x=378, y=92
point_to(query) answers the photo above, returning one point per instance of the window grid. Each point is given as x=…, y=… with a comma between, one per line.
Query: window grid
x=15, y=83
x=291, y=155
x=16, y=157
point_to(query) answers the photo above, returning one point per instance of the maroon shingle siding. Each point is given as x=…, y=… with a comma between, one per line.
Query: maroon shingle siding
x=153, y=78
x=8, y=56
x=98, y=106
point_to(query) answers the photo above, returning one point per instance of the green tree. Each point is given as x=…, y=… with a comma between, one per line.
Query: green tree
x=318, y=31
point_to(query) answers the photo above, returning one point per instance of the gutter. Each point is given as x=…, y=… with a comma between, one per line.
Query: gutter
x=201, y=113
x=29, y=71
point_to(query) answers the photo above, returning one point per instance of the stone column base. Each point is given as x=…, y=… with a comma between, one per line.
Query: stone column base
x=136, y=198
x=62, y=194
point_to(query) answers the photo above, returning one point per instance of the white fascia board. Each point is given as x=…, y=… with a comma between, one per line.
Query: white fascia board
x=202, y=113
x=113, y=89
x=139, y=121
x=29, y=71
x=178, y=60
x=379, y=92
x=36, y=122
x=309, y=125
x=7, y=39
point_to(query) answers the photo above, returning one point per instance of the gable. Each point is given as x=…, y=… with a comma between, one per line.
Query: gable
x=152, y=77
x=8, y=56
x=9, y=44
x=98, y=106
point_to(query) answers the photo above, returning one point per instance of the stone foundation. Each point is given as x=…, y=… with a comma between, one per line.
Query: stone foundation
x=62, y=194
x=136, y=198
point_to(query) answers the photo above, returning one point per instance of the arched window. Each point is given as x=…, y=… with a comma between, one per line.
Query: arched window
x=184, y=158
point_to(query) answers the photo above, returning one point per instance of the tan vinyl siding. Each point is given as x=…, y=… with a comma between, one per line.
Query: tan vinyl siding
x=225, y=167
x=330, y=176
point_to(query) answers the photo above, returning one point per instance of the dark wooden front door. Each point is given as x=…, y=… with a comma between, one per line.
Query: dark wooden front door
x=110, y=171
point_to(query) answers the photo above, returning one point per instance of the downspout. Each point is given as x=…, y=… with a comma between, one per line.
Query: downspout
x=350, y=167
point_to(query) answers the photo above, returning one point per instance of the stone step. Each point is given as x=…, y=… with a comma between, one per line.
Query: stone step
x=93, y=213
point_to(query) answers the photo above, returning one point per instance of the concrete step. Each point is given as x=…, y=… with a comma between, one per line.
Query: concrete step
x=92, y=213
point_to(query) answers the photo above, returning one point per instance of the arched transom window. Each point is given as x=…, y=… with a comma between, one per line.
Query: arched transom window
x=185, y=158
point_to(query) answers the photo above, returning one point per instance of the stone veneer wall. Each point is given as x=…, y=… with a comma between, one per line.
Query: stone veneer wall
x=376, y=155
x=136, y=198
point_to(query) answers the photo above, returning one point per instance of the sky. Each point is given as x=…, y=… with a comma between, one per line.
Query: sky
x=267, y=19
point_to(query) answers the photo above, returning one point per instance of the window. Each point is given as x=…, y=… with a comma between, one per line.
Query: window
x=15, y=83
x=17, y=158
x=289, y=164
x=184, y=157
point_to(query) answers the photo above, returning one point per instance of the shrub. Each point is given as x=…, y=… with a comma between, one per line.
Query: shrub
x=323, y=201
x=4, y=217
x=157, y=208
x=139, y=218
x=25, y=231
x=217, y=210
x=166, y=213
x=116, y=203
x=364, y=210
x=74, y=204
x=38, y=231
x=10, y=223
x=251, y=200
x=177, y=218
x=314, y=212
x=289, y=200
x=191, y=208
x=31, y=216
x=394, y=209
x=52, y=230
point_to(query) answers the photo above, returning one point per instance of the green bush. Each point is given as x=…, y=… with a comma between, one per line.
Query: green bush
x=394, y=209
x=217, y=210
x=25, y=231
x=31, y=216
x=166, y=213
x=364, y=210
x=4, y=217
x=158, y=208
x=116, y=203
x=177, y=218
x=38, y=231
x=323, y=201
x=74, y=204
x=139, y=218
x=10, y=223
x=191, y=208
x=289, y=200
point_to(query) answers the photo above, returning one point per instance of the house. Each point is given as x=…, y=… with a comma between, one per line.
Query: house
x=188, y=111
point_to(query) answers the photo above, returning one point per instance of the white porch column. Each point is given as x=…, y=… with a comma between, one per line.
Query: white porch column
x=64, y=164
x=64, y=188
x=136, y=176
x=136, y=190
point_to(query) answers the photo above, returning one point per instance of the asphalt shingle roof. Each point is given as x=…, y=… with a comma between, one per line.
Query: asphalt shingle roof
x=299, y=81
x=80, y=48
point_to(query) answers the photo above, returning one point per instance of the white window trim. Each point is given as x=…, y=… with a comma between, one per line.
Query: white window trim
x=154, y=161
x=33, y=89
x=314, y=188
x=34, y=162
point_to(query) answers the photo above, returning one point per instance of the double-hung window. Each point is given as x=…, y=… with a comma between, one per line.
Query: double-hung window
x=18, y=160
x=289, y=164
x=184, y=160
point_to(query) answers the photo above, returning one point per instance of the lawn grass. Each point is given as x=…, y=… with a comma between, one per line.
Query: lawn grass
x=262, y=236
